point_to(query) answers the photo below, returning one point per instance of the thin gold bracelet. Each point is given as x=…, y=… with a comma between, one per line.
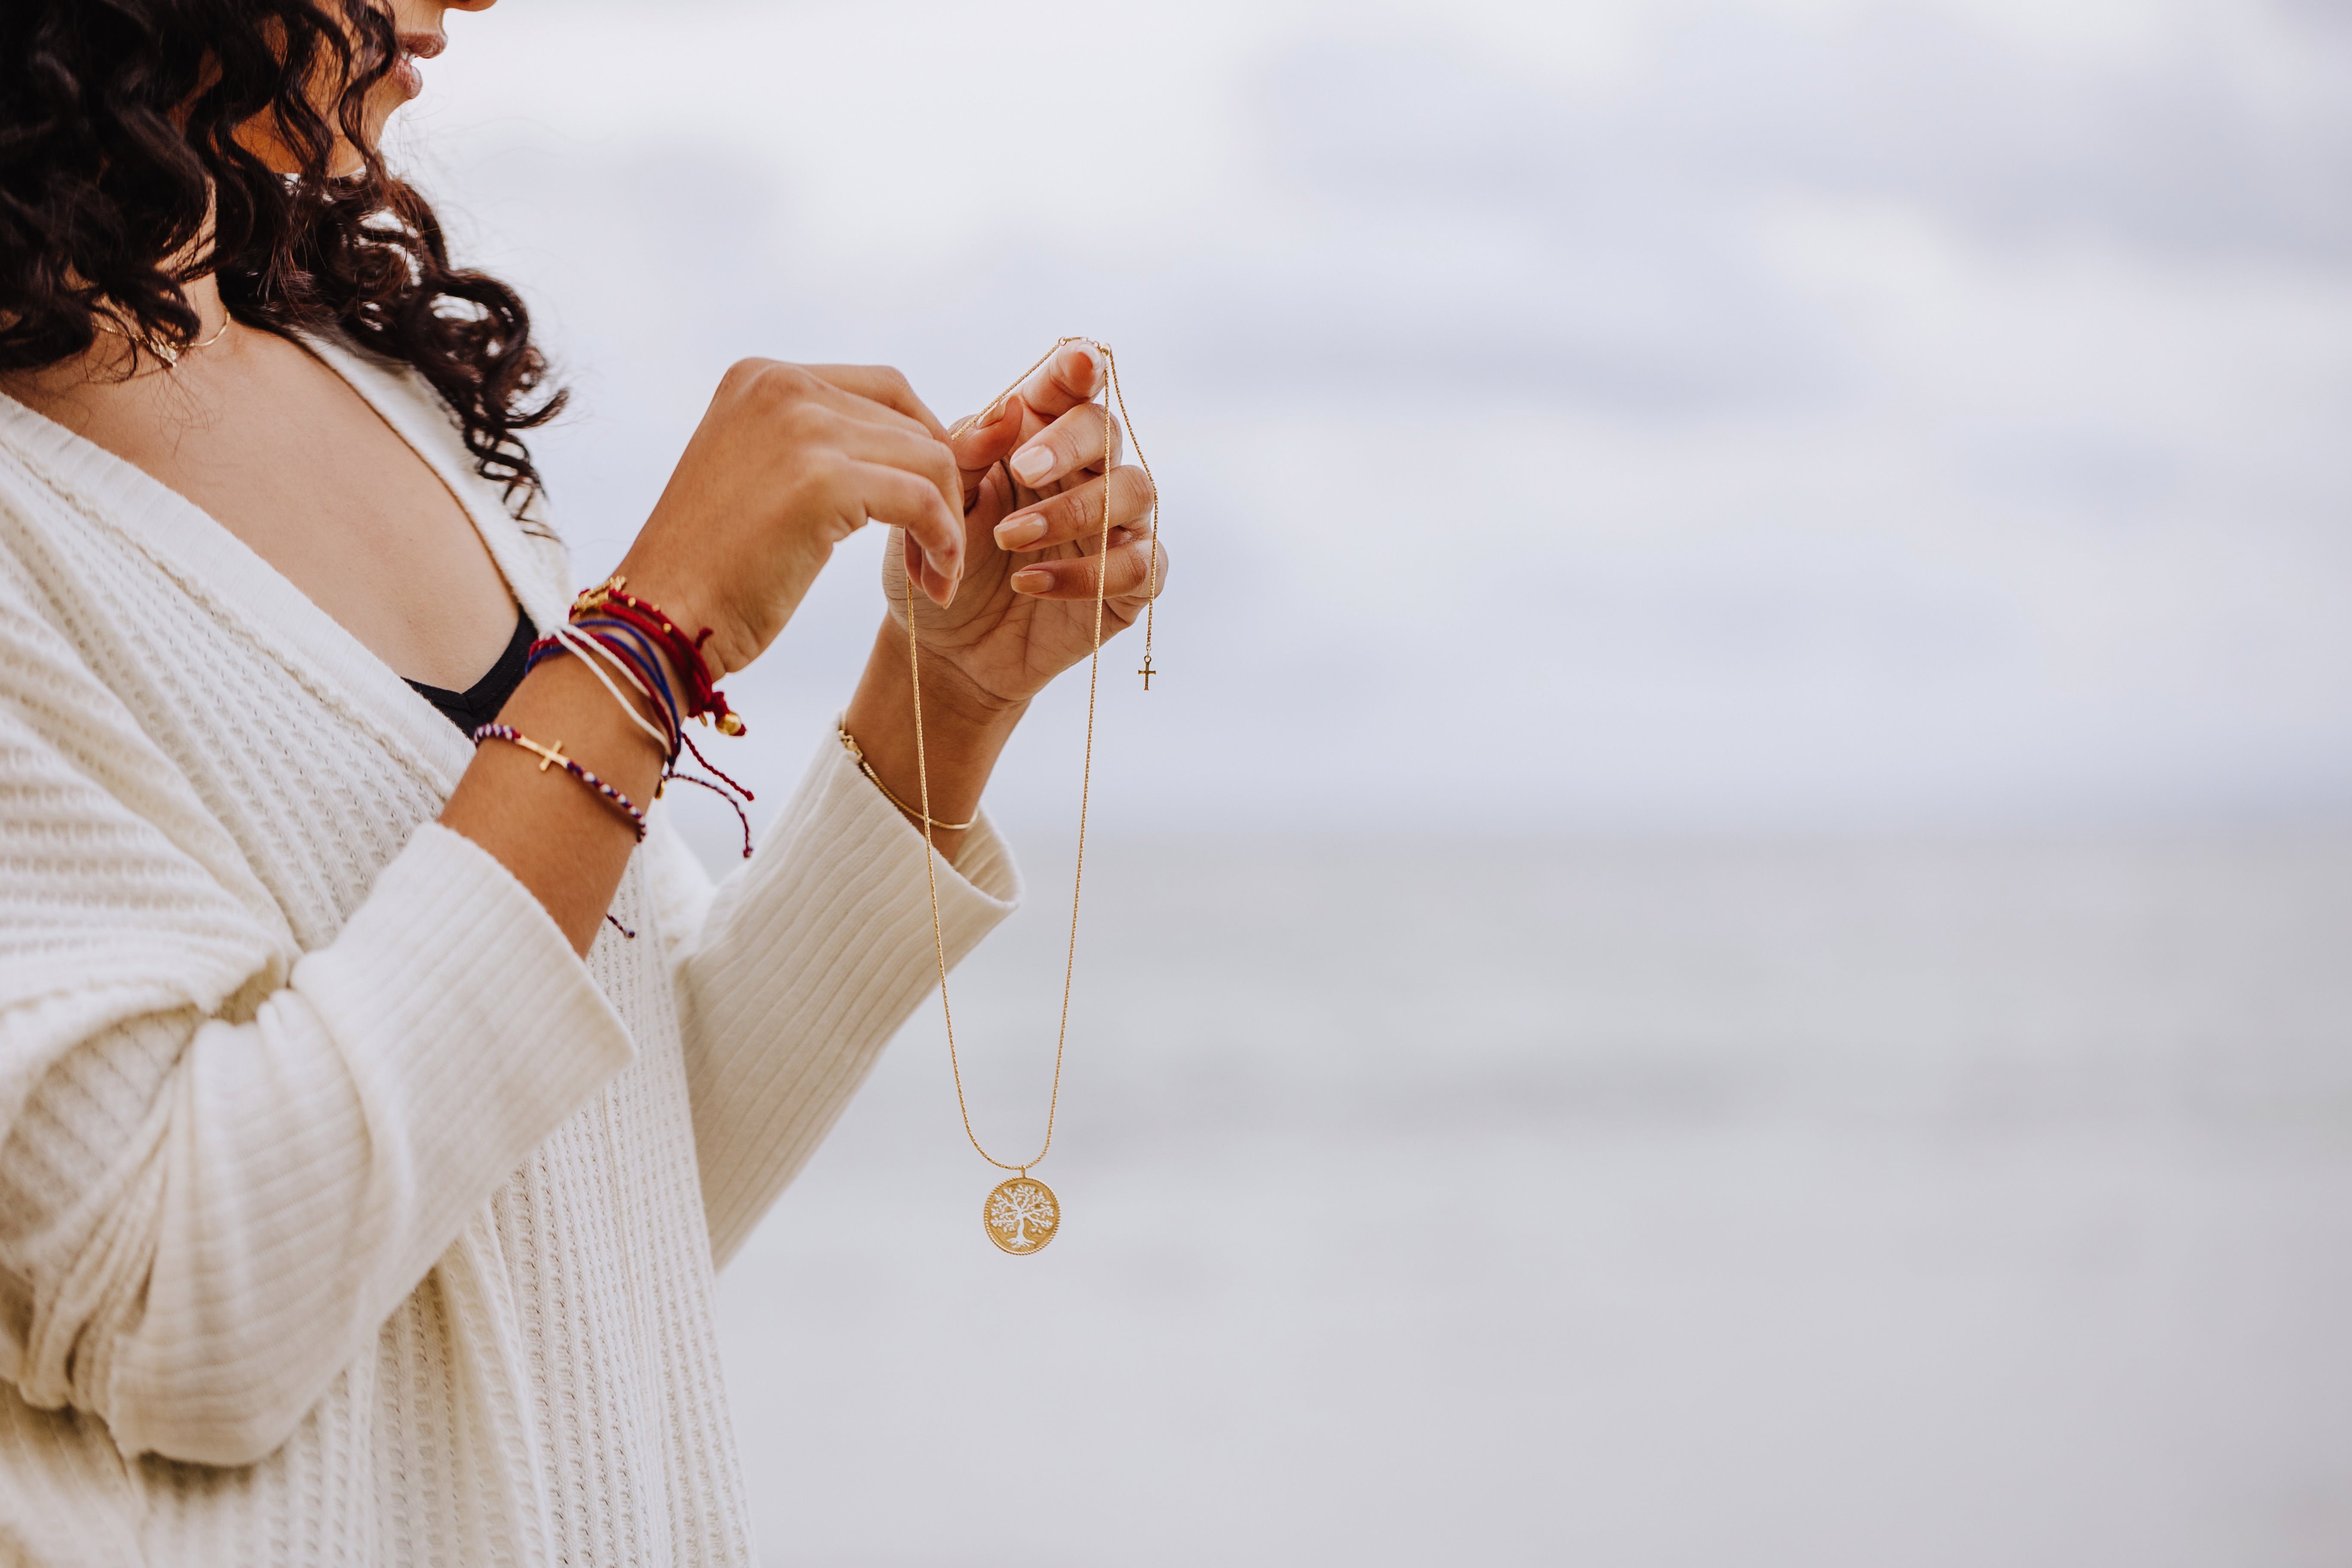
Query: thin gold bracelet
x=850, y=744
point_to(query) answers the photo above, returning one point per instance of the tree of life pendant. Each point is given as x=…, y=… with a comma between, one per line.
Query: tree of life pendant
x=1021, y=1216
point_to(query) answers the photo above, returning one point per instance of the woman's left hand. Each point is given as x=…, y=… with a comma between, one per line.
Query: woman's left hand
x=1036, y=468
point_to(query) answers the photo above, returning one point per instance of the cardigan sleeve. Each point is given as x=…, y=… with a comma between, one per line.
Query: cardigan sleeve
x=224, y=1162
x=795, y=971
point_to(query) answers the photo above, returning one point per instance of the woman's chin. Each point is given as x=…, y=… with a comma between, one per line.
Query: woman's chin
x=347, y=160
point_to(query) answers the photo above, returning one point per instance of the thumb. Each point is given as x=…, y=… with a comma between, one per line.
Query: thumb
x=984, y=440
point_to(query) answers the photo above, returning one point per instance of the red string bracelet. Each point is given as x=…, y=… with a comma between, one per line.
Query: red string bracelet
x=702, y=697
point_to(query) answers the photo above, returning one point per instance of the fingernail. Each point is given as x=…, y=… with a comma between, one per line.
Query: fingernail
x=1020, y=532
x=1032, y=580
x=1090, y=366
x=971, y=422
x=1032, y=464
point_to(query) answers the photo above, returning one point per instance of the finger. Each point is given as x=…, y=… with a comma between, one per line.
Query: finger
x=917, y=566
x=785, y=388
x=989, y=501
x=1130, y=575
x=883, y=384
x=982, y=440
x=1077, y=512
x=867, y=441
x=1070, y=376
x=881, y=493
x=1087, y=436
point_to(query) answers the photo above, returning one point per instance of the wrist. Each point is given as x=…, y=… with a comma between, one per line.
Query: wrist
x=959, y=711
x=691, y=610
x=964, y=730
x=951, y=695
x=656, y=637
x=562, y=698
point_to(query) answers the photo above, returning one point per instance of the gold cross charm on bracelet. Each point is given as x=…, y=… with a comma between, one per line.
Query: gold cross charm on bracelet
x=549, y=756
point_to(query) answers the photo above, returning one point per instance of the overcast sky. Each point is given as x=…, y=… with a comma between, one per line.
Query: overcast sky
x=1687, y=417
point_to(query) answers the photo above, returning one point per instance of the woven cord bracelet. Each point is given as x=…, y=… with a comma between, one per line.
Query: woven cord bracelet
x=589, y=651
x=703, y=699
x=552, y=756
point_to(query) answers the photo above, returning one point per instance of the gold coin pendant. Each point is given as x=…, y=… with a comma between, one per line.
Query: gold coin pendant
x=1022, y=1214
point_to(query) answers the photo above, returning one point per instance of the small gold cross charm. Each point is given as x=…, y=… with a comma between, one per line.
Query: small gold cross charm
x=1147, y=672
x=549, y=756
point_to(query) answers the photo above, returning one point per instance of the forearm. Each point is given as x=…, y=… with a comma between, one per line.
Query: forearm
x=561, y=840
x=963, y=734
x=568, y=846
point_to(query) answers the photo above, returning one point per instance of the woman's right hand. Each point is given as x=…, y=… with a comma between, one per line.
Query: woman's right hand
x=789, y=461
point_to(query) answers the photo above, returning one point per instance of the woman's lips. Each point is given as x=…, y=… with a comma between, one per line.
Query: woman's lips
x=415, y=47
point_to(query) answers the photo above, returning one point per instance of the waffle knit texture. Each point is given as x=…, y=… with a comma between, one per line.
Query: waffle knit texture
x=346, y=1216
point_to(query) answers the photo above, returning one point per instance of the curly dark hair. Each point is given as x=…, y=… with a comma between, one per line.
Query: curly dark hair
x=118, y=141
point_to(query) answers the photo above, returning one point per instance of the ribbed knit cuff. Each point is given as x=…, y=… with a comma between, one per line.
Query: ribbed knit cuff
x=808, y=961
x=481, y=1028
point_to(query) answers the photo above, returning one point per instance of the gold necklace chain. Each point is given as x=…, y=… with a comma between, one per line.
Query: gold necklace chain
x=1086, y=778
x=162, y=350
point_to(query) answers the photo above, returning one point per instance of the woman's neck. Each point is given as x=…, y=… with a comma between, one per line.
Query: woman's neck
x=112, y=358
x=203, y=295
x=115, y=389
x=112, y=366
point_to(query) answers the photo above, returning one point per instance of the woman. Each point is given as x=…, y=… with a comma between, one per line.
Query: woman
x=361, y=1181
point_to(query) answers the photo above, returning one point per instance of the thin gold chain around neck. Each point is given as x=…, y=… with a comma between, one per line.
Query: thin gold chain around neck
x=170, y=356
x=1086, y=776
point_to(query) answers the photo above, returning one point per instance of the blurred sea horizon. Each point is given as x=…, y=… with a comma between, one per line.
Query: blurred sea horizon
x=1644, y=1203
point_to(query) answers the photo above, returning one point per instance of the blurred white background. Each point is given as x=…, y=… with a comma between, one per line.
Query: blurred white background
x=1723, y=943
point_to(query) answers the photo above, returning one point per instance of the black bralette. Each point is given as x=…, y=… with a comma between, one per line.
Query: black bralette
x=479, y=703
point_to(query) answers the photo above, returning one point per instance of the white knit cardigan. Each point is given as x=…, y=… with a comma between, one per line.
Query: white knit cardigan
x=346, y=1216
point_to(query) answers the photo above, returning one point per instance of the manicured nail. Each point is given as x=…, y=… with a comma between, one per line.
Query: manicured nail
x=1088, y=367
x=1020, y=532
x=1032, y=464
x=1032, y=580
